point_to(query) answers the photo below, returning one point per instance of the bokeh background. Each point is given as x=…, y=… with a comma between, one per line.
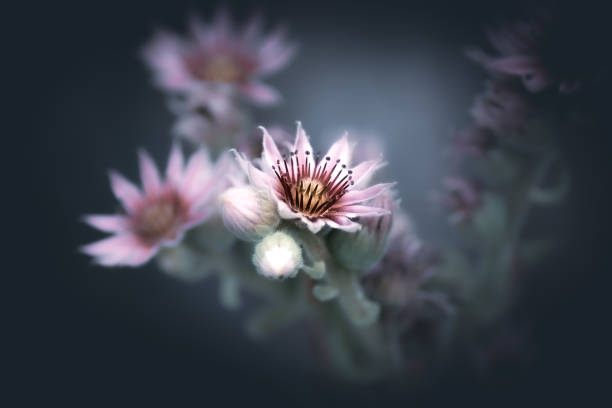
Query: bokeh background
x=86, y=335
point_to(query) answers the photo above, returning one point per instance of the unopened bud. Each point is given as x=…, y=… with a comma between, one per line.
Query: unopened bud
x=248, y=213
x=278, y=256
x=361, y=250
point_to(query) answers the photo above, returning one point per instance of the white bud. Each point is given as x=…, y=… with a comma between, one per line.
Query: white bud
x=361, y=250
x=249, y=213
x=278, y=256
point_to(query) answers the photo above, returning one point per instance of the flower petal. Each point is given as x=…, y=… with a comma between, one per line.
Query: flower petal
x=107, y=223
x=148, y=173
x=270, y=153
x=517, y=65
x=174, y=170
x=343, y=223
x=199, y=169
x=340, y=150
x=260, y=93
x=313, y=226
x=364, y=170
x=164, y=54
x=119, y=250
x=256, y=177
x=125, y=191
x=303, y=148
x=359, y=196
x=358, y=211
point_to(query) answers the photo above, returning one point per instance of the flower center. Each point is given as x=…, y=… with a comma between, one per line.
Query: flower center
x=309, y=190
x=223, y=68
x=158, y=220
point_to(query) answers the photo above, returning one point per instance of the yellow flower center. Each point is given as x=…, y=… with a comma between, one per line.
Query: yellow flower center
x=158, y=220
x=223, y=69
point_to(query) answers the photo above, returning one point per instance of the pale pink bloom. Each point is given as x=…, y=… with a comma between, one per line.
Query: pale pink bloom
x=536, y=50
x=161, y=212
x=218, y=53
x=319, y=192
x=462, y=198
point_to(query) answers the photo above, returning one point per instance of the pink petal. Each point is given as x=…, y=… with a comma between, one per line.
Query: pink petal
x=174, y=170
x=363, y=172
x=302, y=146
x=125, y=191
x=340, y=150
x=517, y=65
x=148, y=173
x=284, y=211
x=277, y=59
x=313, y=226
x=343, y=223
x=359, y=196
x=120, y=250
x=165, y=56
x=537, y=81
x=270, y=153
x=107, y=223
x=199, y=169
x=260, y=94
x=257, y=177
x=358, y=211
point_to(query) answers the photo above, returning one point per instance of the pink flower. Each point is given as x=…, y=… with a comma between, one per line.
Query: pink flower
x=159, y=214
x=220, y=54
x=317, y=192
x=462, y=198
x=536, y=49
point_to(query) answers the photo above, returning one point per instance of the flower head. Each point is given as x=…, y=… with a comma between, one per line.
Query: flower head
x=317, y=191
x=159, y=214
x=217, y=53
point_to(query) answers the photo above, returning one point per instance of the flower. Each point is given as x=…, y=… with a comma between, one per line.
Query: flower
x=462, y=198
x=160, y=214
x=278, y=256
x=219, y=54
x=540, y=49
x=361, y=250
x=317, y=192
x=248, y=213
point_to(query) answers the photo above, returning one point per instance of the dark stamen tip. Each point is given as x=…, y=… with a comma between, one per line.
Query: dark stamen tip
x=344, y=166
x=350, y=172
x=328, y=158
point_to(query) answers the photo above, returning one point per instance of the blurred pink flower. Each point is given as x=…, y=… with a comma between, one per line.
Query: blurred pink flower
x=159, y=214
x=317, y=192
x=462, y=198
x=219, y=54
x=527, y=48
